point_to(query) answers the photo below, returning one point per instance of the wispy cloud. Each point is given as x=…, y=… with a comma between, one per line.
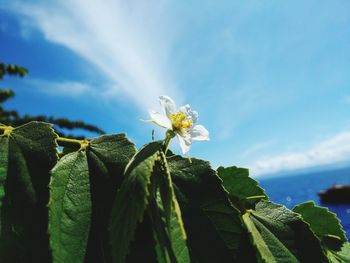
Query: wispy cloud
x=64, y=88
x=124, y=39
x=73, y=89
x=255, y=148
x=331, y=151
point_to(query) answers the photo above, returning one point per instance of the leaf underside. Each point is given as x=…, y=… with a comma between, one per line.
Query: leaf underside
x=83, y=186
x=280, y=235
x=212, y=224
x=131, y=201
x=70, y=208
x=107, y=157
x=171, y=245
x=26, y=156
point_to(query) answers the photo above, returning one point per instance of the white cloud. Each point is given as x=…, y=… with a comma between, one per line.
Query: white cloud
x=64, y=88
x=331, y=151
x=126, y=40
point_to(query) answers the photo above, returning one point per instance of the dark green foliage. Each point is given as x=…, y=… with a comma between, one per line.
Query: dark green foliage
x=131, y=200
x=337, y=251
x=108, y=156
x=166, y=216
x=27, y=153
x=83, y=186
x=13, y=118
x=326, y=227
x=205, y=207
x=147, y=187
x=281, y=234
x=108, y=203
x=6, y=94
x=278, y=234
x=13, y=70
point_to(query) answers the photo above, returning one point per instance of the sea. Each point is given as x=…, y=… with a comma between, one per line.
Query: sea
x=291, y=190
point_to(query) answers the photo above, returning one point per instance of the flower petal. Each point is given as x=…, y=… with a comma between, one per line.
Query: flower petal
x=185, y=143
x=167, y=104
x=160, y=119
x=193, y=115
x=199, y=133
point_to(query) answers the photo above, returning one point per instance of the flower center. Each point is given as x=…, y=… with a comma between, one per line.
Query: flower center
x=180, y=121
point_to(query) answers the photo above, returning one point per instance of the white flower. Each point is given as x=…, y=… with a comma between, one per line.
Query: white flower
x=181, y=121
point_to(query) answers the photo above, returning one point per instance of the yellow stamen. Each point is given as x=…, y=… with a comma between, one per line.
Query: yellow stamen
x=180, y=121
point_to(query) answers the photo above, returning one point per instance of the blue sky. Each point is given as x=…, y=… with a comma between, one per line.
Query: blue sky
x=270, y=79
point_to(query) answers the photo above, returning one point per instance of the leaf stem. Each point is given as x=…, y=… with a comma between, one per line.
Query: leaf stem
x=6, y=130
x=66, y=142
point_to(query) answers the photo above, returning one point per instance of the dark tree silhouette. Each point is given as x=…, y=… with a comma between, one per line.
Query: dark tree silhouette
x=13, y=118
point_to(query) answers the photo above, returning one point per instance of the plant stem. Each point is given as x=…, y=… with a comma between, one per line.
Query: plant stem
x=168, y=136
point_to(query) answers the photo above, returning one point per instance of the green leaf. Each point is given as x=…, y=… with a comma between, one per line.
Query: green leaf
x=27, y=153
x=70, y=208
x=172, y=240
x=131, y=200
x=338, y=253
x=238, y=183
x=213, y=225
x=322, y=222
x=267, y=244
x=168, y=196
x=162, y=244
x=114, y=151
x=326, y=226
x=4, y=141
x=107, y=156
x=258, y=240
x=170, y=243
x=143, y=245
x=178, y=241
x=166, y=190
x=280, y=235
